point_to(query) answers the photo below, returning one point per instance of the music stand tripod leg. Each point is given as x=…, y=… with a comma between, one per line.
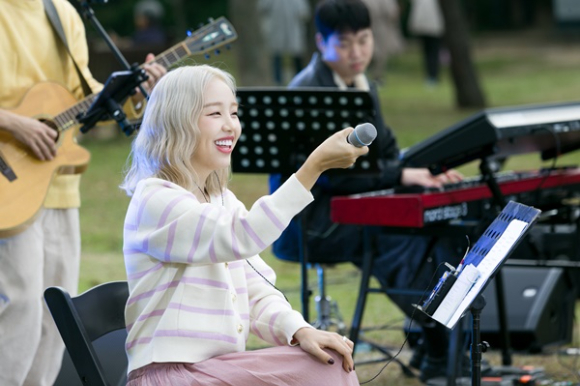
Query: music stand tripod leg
x=303, y=258
x=477, y=346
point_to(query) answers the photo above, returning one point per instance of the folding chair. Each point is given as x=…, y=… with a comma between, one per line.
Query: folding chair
x=92, y=326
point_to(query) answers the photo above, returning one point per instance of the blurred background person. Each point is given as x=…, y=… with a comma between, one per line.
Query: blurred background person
x=147, y=18
x=284, y=29
x=385, y=24
x=148, y=30
x=426, y=23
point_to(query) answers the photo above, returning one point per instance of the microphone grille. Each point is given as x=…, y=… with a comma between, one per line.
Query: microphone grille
x=365, y=133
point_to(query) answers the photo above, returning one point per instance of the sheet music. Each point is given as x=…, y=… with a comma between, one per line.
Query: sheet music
x=488, y=265
x=456, y=294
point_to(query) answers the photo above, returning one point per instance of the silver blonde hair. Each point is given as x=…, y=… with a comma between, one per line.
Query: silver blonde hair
x=169, y=134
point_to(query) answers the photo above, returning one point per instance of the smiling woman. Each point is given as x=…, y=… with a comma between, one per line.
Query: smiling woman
x=197, y=285
x=170, y=141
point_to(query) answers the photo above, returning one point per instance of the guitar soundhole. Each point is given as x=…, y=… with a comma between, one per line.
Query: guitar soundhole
x=52, y=125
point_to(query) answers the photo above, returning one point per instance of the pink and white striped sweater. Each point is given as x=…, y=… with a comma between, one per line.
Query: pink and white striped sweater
x=193, y=296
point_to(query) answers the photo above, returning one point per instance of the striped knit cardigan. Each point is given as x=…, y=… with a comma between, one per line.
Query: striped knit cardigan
x=193, y=295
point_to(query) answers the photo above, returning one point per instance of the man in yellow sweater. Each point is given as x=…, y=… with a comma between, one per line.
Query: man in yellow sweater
x=48, y=251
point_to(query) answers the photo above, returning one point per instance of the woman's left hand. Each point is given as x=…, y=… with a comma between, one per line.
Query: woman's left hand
x=423, y=177
x=313, y=341
x=449, y=177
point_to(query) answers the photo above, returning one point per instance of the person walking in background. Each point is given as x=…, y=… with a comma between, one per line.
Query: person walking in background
x=47, y=253
x=284, y=29
x=197, y=285
x=426, y=22
x=385, y=24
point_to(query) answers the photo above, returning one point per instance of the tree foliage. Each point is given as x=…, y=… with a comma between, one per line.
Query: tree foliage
x=180, y=15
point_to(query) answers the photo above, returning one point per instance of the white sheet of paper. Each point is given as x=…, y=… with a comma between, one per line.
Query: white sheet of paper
x=489, y=263
x=456, y=294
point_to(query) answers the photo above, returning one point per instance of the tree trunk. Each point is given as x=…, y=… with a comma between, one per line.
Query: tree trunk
x=311, y=31
x=252, y=57
x=468, y=93
x=180, y=21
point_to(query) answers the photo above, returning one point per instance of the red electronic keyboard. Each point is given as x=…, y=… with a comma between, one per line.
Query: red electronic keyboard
x=492, y=134
x=469, y=199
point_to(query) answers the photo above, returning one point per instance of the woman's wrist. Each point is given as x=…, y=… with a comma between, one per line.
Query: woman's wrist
x=308, y=173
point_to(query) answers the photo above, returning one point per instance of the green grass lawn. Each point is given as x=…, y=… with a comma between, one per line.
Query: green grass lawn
x=516, y=74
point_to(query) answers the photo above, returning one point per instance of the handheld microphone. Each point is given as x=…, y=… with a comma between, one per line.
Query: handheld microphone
x=363, y=135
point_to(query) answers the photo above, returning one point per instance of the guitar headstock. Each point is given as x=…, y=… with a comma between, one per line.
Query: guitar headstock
x=215, y=34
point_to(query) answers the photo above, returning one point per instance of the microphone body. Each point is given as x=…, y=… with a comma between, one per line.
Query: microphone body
x=363, y=135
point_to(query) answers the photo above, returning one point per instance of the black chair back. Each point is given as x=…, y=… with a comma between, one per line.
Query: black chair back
x=83, y=320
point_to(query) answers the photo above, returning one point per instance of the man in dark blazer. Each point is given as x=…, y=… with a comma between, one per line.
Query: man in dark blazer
x=345, y=44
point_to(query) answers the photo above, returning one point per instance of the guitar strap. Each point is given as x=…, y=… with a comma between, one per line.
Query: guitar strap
x=57, y=25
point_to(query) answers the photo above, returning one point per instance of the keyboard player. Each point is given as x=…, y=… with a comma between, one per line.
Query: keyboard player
x=345, y=45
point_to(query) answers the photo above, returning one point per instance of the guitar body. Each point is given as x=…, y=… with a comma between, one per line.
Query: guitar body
x=22, y=198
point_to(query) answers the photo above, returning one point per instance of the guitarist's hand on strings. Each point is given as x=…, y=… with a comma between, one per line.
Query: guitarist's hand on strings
x=154, y=72
x=37, y=136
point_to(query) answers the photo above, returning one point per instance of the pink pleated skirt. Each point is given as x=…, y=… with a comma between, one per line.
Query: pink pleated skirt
x=276, y=366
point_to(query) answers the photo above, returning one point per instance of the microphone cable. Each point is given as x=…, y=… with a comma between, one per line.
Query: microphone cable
x=247, y=260
x=267, y=281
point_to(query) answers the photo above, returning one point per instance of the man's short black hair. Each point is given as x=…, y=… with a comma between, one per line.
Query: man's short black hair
x=341, y=16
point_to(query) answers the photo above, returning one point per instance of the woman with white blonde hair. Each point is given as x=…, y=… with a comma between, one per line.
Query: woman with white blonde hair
x=198, y=287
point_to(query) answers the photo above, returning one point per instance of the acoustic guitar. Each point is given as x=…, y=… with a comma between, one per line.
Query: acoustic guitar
x=24, y=179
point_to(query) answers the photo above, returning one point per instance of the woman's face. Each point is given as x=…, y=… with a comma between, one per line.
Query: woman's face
x=219, y=128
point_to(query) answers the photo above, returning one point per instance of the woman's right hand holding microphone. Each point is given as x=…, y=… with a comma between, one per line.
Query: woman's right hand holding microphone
x=336, y=152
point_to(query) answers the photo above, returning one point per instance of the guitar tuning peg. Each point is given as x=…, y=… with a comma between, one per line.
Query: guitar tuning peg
x=217, y=52
x=207, y=56
x=228, y=47
x=190, y=30
x=210, y=20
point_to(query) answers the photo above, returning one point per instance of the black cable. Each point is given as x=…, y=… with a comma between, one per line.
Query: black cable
x=267, y=281
x=427, y=290
x=410, y=328
x=387, y=326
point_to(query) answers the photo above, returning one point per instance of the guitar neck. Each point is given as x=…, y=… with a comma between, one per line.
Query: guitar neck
x=209, y=37
x=68, y=118
x=171, y=56
x=215, y=34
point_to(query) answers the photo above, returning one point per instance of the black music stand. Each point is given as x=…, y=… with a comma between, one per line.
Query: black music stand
x=107, y=104
x=483, y=261
x=281, y=127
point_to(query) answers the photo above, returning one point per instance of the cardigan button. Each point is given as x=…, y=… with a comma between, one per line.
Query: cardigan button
x=240, y=328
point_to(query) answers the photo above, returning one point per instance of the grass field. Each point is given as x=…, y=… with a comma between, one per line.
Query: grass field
x=512, y=71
